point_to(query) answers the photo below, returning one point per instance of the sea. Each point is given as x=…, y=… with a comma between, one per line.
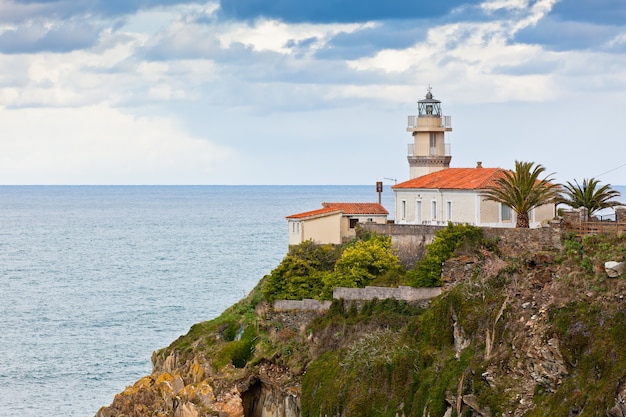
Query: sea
x=93, y=279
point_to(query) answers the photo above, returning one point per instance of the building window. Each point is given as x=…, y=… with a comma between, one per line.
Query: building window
x=505, y=213
x=370, y=220
x=433, y=144
x=418, y=211
x=448, y=210
x=403, y=210
x=434, y=210
x=353, y=223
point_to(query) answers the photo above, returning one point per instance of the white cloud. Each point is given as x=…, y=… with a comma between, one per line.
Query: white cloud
x=467, y=58
x=96, y=145
x=494, y=5
x=271, y=35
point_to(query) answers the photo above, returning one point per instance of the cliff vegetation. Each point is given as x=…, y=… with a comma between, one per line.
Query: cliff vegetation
x=515, y=333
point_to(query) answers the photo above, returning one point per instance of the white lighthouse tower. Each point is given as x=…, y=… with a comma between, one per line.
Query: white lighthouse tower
x=429, y=151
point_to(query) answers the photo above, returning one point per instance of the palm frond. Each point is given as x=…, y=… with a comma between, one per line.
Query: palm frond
x=523, y=189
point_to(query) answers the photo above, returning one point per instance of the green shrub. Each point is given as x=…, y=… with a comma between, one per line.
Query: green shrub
x=362, y=262
x=301, y=273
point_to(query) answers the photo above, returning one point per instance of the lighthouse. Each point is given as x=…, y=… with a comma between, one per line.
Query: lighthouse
x=429, y=151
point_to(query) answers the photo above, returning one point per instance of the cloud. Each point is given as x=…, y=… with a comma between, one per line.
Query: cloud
x=559, y=35
x=367, y=41
x=100, y=145
x=48, y=36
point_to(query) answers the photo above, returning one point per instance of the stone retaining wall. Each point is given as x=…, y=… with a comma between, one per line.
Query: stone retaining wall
x=512, y=242
x=409, y=294
x=382, y=293
x=302, y=305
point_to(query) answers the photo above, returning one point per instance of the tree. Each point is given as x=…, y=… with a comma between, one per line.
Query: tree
x=523, y=190
x=589, y=196
x=362, y=262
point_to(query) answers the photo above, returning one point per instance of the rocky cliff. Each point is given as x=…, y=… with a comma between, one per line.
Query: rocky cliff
x=515, y=333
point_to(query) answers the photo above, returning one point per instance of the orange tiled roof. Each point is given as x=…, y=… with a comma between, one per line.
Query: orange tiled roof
x=455, y=179
x=313, y=213
x=345, y=208
x=358, y=208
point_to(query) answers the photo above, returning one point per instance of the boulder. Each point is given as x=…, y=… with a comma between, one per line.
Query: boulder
x=614, y=269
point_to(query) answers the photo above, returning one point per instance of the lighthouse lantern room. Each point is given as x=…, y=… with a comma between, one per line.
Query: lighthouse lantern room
x=429, y=151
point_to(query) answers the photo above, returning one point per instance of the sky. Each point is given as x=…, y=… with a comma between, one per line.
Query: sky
x=285, y=92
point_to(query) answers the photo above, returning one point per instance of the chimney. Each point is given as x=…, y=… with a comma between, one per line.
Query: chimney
x=479, y=164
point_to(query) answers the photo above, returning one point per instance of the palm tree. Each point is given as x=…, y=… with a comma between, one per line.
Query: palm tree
x=522, y=190
x=589, y=196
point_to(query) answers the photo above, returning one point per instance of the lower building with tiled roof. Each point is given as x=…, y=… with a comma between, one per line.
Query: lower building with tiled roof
x=334, y=223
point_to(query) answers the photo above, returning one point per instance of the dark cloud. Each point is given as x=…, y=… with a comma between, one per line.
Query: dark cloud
x=367, y=42
x=337, y=11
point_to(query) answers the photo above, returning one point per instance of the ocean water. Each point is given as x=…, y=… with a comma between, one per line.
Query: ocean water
x=93, y=279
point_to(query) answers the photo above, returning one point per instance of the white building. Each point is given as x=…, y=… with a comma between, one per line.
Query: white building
x=438, y=194
x=456, y=195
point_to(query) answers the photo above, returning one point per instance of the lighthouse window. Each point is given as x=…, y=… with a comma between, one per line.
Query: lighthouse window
x=433, y=144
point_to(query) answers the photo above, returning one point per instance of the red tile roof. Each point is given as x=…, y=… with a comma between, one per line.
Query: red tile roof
x=358, y=208
x=345, y=208
x=455, y=179
x=313, y=213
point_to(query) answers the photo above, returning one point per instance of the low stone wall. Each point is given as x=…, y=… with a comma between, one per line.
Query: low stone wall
x=409, y=294
x=382, y=293
x=303, y=305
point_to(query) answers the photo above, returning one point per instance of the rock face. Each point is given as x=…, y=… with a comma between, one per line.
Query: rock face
x=261, y=400
x=619, y=410
x=512, y=335
x=166, y=392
